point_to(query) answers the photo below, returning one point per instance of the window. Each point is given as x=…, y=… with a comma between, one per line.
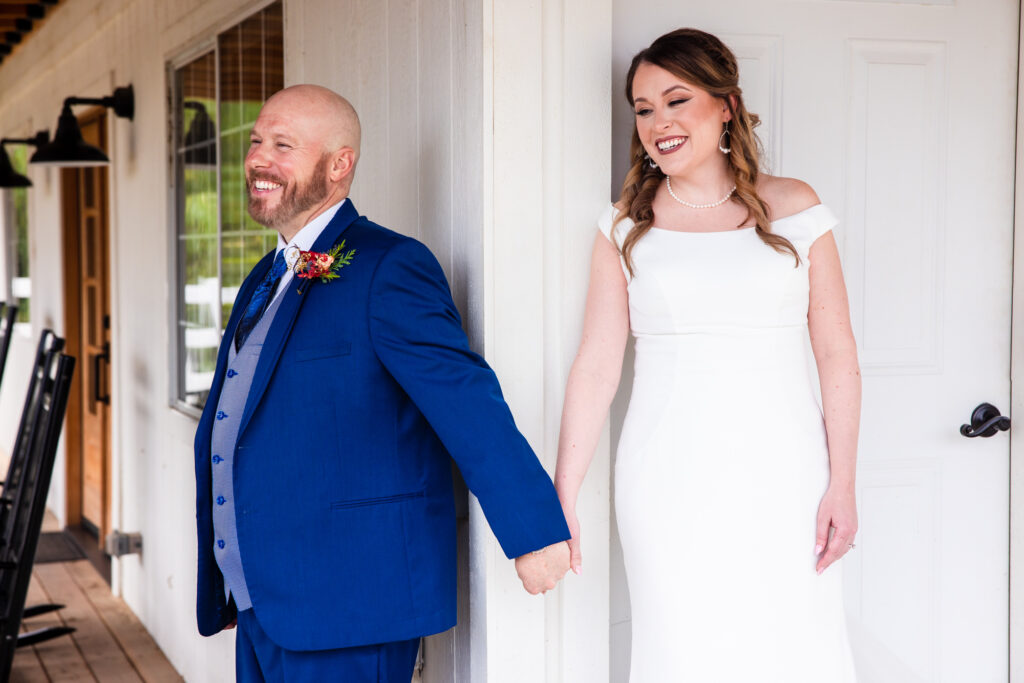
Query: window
x=16, y=220
x=216, y=98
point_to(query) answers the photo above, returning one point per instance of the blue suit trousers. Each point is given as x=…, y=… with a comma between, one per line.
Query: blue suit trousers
x=258, y=659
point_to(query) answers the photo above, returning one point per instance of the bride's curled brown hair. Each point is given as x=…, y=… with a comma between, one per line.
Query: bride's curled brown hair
x=702, y=60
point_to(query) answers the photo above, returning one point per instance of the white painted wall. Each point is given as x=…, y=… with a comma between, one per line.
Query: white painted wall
x=547, y=93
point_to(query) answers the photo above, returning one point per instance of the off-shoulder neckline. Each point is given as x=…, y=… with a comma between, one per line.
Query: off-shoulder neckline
x=735, y=230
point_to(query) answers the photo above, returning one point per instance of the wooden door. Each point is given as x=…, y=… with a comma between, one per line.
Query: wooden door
x=902, y=116
x=87, y=306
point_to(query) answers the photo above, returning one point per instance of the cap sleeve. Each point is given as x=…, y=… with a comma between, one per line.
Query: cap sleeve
x=606, y=223
x=821, y=220
x=615, y=232
x=803, y=228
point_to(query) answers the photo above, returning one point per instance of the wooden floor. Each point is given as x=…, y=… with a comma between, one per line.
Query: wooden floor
x=109, y=645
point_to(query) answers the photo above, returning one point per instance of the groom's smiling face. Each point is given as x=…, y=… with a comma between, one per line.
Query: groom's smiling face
x=286, y=167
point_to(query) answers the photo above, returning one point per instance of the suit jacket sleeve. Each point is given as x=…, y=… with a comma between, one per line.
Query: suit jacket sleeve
x=417, y=335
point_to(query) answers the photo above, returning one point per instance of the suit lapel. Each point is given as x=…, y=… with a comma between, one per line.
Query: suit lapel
x=291, y=302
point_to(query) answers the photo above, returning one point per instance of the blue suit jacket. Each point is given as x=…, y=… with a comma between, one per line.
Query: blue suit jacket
x=343, y=485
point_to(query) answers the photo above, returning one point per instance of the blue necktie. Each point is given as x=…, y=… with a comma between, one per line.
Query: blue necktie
x=259, y=300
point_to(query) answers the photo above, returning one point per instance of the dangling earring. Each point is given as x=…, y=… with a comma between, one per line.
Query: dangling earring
x=721, y=140
x=650, y=161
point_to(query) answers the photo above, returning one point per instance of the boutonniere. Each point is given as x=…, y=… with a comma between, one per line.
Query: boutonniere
x=325, y=266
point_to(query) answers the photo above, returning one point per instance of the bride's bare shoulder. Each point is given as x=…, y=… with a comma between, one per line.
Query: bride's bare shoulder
x=786, y=196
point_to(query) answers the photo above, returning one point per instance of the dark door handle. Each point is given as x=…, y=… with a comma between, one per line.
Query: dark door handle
x=986, y=420
x=97, y=394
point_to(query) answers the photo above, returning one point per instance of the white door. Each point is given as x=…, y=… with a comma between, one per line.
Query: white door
x=902, y=117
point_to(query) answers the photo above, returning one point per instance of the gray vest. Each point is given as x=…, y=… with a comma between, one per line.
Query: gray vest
x=223, y=440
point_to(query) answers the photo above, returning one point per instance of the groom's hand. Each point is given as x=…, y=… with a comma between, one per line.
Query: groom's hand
x=542, y=570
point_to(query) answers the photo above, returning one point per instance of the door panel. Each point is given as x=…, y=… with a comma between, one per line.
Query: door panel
x=94, y=347
x=87, y=299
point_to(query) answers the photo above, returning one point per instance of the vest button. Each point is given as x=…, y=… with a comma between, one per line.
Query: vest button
x=221, y=500
x=231, y=373
x=221, y=414
x=220, y=544
x=217, y=459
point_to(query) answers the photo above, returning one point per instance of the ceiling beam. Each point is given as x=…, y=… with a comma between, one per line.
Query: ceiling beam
x=10, y=9
x=18, y=19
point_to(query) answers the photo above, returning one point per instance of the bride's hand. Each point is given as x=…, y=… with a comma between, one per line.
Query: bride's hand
x=838, y=509
x=575, y=556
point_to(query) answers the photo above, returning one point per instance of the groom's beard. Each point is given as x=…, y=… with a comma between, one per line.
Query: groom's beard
x=296, y=198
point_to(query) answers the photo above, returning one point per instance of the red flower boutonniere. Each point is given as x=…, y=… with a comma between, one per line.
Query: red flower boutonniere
x=325, y=266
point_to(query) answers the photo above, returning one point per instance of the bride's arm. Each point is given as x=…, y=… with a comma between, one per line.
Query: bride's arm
x=593, y=380
x=835, y=352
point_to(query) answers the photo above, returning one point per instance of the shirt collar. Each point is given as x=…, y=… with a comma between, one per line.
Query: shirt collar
x=307, y=235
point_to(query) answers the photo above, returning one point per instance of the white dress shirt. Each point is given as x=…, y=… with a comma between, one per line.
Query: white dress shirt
x=303, y=241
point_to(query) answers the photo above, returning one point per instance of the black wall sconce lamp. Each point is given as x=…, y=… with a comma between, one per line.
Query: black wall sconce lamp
x=68, y=148
x=8, y=176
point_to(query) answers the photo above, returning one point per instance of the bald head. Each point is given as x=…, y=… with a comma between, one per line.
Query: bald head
x=322, y=110
x=302, y=155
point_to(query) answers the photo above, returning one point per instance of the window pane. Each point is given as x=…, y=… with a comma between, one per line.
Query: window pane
x=21, y=285
x=200, y=334
x=197, y=125
x=232, y=180
x=251, y=63
x=200, y=188
x=239, y=253
x=273, y=50
x=196, y=167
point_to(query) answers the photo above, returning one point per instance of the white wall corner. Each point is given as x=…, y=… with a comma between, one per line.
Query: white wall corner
x=547, y=172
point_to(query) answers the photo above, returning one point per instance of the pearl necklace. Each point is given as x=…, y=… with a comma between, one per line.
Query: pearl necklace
x=712, y=205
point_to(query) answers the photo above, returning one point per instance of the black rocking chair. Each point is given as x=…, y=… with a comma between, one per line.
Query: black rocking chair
x=24, y=504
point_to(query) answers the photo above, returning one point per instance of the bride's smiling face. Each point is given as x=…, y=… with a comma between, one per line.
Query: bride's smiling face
x=678, y=123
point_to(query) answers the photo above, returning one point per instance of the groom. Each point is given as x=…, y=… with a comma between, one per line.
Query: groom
x=324, y=499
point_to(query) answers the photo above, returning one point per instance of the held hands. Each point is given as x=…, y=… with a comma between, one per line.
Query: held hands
x=838, y=509
x=542, y=570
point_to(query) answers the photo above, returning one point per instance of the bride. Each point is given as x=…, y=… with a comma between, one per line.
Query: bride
x=734, y=492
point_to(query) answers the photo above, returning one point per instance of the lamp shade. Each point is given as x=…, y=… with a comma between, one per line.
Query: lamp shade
x=68, y=148
x=8, y=176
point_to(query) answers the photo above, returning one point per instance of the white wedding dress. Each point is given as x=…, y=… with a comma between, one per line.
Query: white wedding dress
x=723, y=461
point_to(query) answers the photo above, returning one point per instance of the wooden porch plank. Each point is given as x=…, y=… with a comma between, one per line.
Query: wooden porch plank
x=133, y=637
x=60, y=657
x=26, y=667
x=99, y=648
